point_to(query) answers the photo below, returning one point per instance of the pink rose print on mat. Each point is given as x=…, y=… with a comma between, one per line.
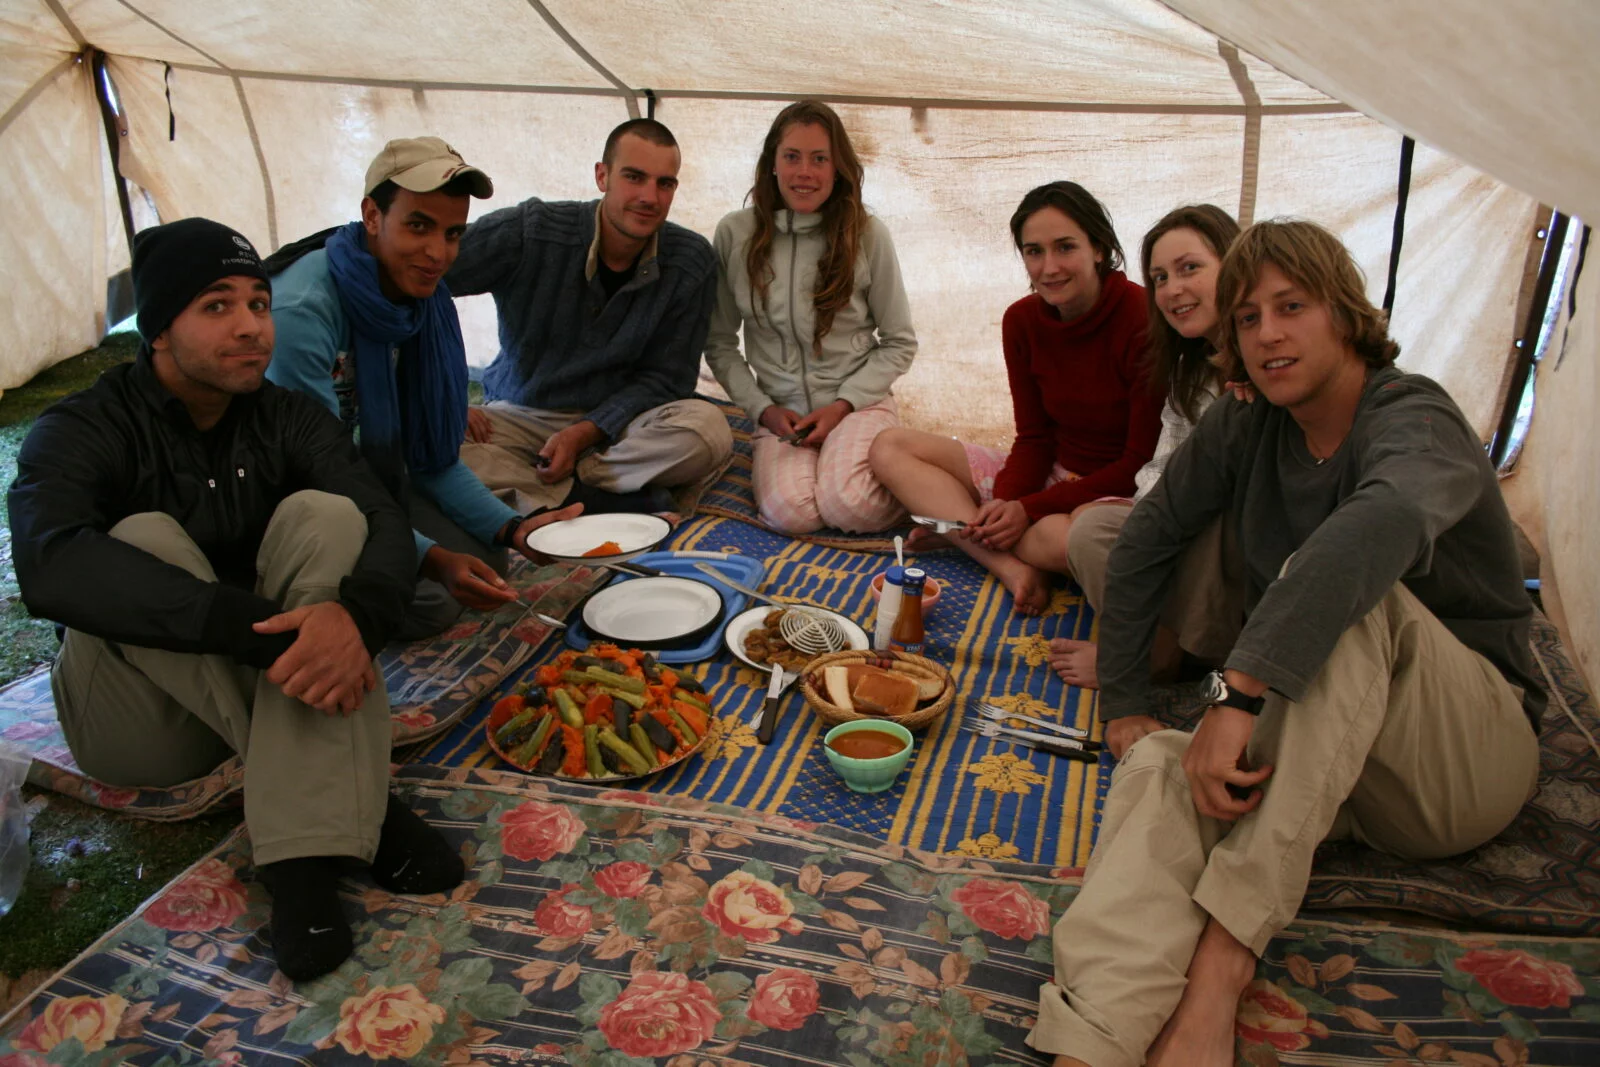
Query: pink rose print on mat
x=742, y=905
x=660, y=1014
x=112, y=796
x=416, y=718
x=1003, y=908
x=210, y=897
x=28, y=731
x=1268, y=1016
x=92, y=1020
x=624, y=880
x=387, y=1021
x=556, y=918
x=460, y=631
x=1522, y=979
x=24, y=1059
x=537, y=830
x=783, y=999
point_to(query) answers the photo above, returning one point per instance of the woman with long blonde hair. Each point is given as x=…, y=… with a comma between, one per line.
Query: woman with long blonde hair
x=813, y=280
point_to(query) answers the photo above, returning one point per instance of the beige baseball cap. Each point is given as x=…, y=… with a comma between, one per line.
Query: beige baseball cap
x=423, y=164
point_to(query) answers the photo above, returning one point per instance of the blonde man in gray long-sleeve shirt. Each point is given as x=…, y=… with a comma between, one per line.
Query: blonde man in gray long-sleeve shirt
x=1380, y=690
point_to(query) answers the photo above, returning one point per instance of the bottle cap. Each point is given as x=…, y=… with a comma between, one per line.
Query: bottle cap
x=914, y=577
x=895, y=576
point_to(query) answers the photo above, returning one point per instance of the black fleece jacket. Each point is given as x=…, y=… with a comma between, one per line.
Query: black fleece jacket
x=125, y=446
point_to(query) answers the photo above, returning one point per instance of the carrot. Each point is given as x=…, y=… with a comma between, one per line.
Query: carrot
x=669, y=678
x=574, y=763
x=691, y=715
x=511, y=705
x=598, y=710
x=548, y=675
x=660, y=695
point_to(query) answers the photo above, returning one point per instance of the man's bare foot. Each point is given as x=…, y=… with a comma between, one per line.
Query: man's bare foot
x=1028, y=585
x=922, y=539
x=1074, y=661
x=1201, y=1030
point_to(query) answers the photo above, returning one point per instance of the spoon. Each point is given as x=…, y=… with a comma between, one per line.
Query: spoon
x=548, y=621
x=899, y=551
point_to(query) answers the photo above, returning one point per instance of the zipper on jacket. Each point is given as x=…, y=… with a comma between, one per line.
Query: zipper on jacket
x=805, y=372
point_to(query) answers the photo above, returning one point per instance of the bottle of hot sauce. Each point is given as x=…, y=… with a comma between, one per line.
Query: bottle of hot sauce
x=907, y=634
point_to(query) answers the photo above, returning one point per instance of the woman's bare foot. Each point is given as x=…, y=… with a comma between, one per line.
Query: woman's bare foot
x=1201, y=1030
x=1029, y=586
x=1074, y=661
x=922, y=539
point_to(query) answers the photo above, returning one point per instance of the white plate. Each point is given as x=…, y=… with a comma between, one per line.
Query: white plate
x=651, y=610
x=571, y=538
x=749, y=620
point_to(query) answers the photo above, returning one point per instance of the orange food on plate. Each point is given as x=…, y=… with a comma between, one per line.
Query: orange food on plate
x=606, y=548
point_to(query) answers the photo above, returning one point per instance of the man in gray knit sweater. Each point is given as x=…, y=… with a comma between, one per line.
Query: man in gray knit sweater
x=604, y=307
x=1381, y=688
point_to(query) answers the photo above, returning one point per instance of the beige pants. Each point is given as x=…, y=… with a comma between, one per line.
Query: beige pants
x=314, y=784
x=1407, y=741
x=800, y=490
x=671, y=445
x=1205, y=607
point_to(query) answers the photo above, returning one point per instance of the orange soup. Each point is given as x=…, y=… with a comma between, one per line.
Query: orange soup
x=866, y=744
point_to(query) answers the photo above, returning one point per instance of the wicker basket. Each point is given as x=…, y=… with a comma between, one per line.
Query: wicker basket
x=830, y=712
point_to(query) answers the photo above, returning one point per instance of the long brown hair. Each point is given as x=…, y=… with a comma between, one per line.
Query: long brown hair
x=1079, y=205
x=844, y=216
x=1181, y=366
x=1316, y=261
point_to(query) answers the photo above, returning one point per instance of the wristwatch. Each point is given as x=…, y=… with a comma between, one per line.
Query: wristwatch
x=1217, y=694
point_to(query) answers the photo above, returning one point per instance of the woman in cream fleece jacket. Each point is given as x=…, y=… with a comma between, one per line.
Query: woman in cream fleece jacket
x=814, y=282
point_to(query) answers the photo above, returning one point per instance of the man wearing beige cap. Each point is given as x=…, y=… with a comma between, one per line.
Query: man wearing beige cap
x=366, y=326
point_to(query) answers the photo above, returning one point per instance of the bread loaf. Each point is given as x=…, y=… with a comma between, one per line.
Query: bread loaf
x=879, y=692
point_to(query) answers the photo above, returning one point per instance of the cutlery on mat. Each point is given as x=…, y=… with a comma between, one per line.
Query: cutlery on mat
x=769, y=706
x=1000, y=715
x=550, y=621
x=805, y=630
x=994, y=729
x=1054, y=750
x=638, y=570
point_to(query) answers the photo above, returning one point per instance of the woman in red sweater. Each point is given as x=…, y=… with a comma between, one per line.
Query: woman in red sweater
x=1086, y=417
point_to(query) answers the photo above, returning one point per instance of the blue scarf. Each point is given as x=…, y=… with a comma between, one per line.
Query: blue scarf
x=414, y=411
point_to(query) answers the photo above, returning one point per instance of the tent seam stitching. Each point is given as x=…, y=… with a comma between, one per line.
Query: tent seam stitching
x=1250, y=158
x=628, y=95
x=66, y=21
x=13, y=112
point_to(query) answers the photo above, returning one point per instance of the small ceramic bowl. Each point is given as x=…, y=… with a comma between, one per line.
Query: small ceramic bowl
x=869, y=775
x=930, y=591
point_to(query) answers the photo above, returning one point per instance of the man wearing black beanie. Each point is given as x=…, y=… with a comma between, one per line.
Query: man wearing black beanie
x=226, y=567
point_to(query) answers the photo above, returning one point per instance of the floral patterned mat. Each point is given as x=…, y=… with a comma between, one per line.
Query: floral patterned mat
x=622, y=929
x=432, y=685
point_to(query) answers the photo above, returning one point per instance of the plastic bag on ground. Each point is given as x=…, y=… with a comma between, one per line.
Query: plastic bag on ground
x=13, y=824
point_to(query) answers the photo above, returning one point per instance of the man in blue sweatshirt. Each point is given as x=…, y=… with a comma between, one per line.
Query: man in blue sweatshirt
x=365, y=325
x=604, y=308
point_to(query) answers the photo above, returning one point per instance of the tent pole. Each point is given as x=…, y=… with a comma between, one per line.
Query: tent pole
x=1555, y=240
x=1408, y=149
x=119, y=294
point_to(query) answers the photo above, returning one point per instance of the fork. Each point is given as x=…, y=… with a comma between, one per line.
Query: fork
x=994, y=729
x=985, y=730
x=999, y=714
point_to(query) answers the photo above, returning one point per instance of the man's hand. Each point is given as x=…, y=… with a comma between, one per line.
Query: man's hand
x=328, y=666
x=479, y=428
x=999, y=525
x=519, y=539
x=779, y=421
x=562, y=450
x=467, y=578
x=1122, y=733
x=822, y=421
x=1214, y=761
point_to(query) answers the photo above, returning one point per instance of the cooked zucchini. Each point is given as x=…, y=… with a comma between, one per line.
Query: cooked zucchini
x=690, y=698
x=517, y=729
x=571, y=714
x=610, y=742
x=525, y=754
x=689, y=736
x=591, y=751
x=617, y=681
x=641, y=741
x=638, y=700
x=555, y=753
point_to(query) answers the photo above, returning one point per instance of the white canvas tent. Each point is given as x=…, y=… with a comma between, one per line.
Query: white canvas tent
x=264, y=115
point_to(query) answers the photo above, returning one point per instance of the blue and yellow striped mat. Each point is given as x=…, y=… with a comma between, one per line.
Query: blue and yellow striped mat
x=962, y=793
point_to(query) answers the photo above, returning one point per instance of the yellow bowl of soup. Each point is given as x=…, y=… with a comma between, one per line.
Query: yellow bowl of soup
x=869, y=754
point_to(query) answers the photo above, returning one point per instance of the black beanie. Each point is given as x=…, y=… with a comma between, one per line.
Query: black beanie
x=172, y=263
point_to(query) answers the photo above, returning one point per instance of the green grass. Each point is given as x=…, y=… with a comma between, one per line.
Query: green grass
x=90, y=867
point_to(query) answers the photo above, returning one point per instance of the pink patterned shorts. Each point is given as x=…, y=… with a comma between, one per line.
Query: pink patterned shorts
x=985, y=464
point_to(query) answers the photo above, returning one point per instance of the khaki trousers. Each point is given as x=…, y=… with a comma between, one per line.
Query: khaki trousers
x=1205, y=606
x=1407, y=741
x=314, y=784
x=675, y=444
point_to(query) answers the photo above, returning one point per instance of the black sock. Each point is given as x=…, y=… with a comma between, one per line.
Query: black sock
x=310, y=936
x=647, y=501
x=412, y=856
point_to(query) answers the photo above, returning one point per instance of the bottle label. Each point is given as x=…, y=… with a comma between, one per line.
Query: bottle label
x=900, y=646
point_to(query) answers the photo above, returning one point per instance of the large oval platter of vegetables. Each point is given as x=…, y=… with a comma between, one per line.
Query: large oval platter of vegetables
x=607, y=713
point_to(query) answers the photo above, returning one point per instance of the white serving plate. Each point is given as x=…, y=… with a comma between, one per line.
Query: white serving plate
x=571, y=538
x=651, y=610
x=745, y=621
